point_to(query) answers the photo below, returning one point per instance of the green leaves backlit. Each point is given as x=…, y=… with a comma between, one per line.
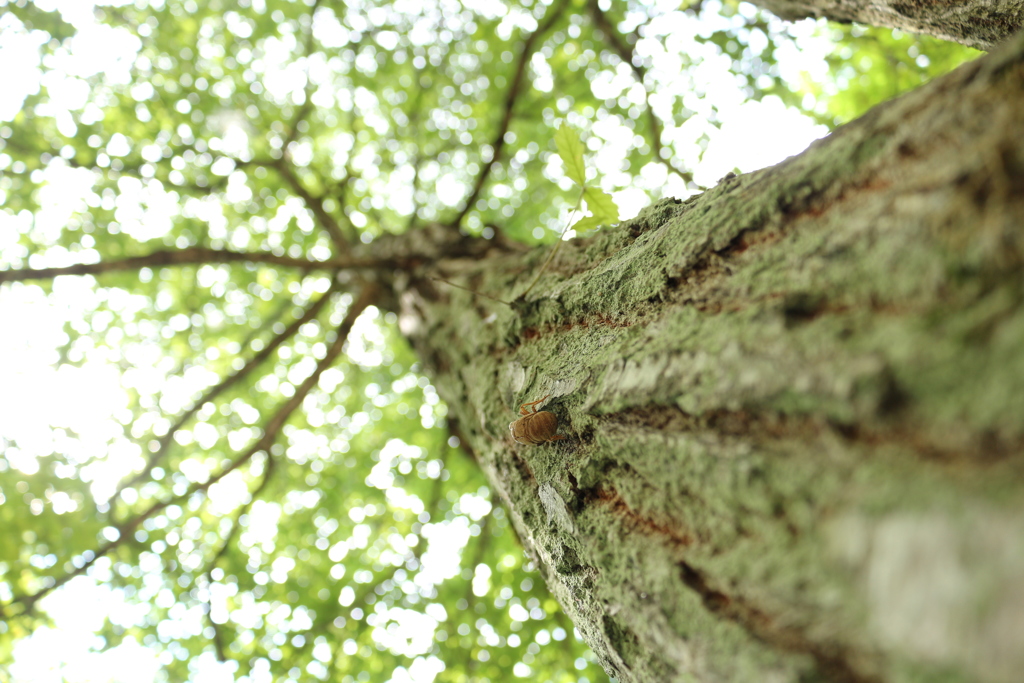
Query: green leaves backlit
x=571, y=149
x=603, y=210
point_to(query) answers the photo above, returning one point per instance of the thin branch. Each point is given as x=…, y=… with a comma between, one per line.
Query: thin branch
x=554, y=13
x=551, y=255
x=417, y=164
x=183, y=257
x=131, y=168
x=307, y=104
x=483, y=545
x=625, y=53
x=415, y=111
x=218, y=632
x=483, y=542
x=283, y=305
x=471, y=291
x=315, y=204
x=126, y=528
x=228, y=382
x=300, y=116
x=416, y=555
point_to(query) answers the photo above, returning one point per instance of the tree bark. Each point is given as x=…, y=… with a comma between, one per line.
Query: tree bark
x=980, y=24
x=794, y=405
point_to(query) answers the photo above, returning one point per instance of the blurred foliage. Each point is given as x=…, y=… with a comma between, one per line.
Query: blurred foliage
x=364, y=540
x=865, y=66
x=871, y=65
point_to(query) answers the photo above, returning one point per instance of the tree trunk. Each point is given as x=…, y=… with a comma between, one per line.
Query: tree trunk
x=794, y=405
x=981, y=24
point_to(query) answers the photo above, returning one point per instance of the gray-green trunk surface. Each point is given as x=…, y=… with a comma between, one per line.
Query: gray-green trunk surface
x=981, y=24
x=794, y=406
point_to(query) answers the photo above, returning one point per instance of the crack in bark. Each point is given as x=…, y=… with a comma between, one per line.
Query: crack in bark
x=987, y=449
x=595, y=320
x=715, y=266
x=833, y=661
x=611, y=500
x=696, y=284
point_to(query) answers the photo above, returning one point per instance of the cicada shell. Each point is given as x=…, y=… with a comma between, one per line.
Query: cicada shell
x=536, y=426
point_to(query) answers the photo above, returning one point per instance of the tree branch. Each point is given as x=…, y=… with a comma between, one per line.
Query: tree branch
x=307, y=104
x=554, y=13
x=483, y=542
x=263, y=444
x=416, y=555
x=183, y=257
x=315, y=204
x=227, y=383
x=218, y=632
x=625, y=53
x=129, y=167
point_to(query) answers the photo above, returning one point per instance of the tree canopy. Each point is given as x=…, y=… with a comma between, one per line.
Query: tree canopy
x=234, y=441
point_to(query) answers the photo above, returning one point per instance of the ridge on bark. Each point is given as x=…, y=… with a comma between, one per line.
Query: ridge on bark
x=981, y=24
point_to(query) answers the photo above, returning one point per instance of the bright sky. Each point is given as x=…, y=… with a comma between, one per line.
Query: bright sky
x=90, y=399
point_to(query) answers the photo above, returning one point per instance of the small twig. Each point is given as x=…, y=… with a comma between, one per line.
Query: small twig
x=626, y=54
x=554, y=251
x=218, y=631
x=307, y=103
x=553, y=14
x=314, y=203
x=486, y=296
x=431, y=508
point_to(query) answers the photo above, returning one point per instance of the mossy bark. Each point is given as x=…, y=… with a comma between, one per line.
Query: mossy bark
x=980, y=24
x=794, y=405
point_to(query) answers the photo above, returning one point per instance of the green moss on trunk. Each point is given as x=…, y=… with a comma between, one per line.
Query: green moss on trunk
x=794, y=406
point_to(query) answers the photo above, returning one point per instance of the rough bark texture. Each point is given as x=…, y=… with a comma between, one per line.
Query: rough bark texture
x=980, y=24
x=794, y=406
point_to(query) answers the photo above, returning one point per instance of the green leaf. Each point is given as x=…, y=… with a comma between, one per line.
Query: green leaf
x=603, y=211
x=570, y=148
x=586, y=224
x=601, y=205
